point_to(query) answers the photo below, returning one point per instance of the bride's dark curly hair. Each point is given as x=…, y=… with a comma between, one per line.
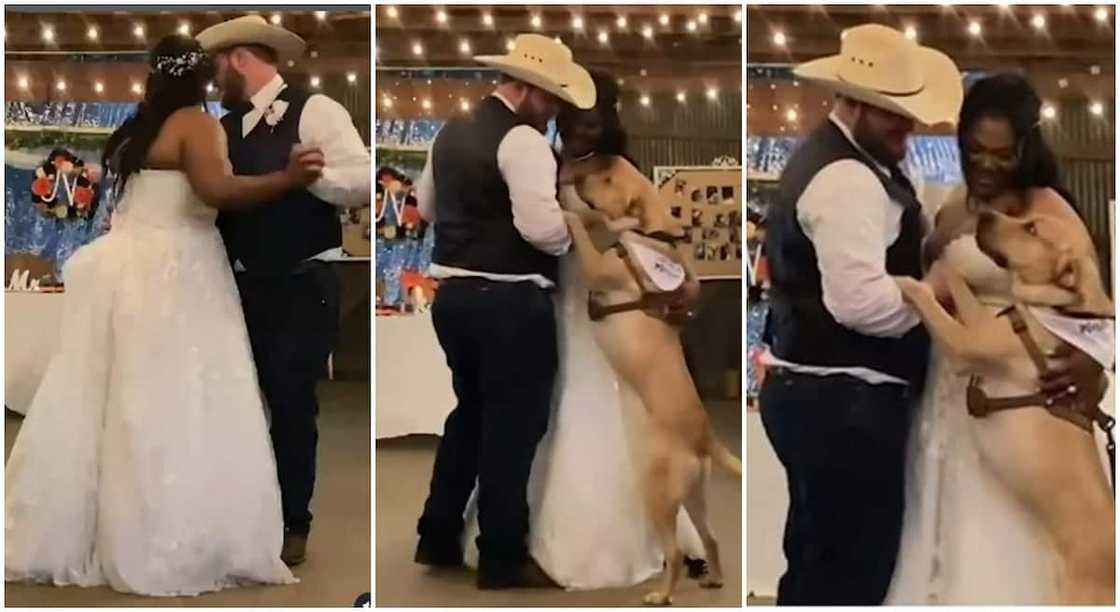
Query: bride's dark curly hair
x=179, y=73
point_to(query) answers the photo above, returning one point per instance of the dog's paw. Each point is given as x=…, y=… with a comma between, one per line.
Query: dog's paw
x=711, y=582
x=657, y=598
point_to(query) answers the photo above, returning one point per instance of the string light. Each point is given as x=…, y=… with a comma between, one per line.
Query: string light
x=487, y=20
x=386, y=102
x=465, y=47
x=604, y=38
x=1049, y=112
x=209, y=88
x=577, y=23
x=738, y=16
x=791, y=115
x=1038, y=21
x=702, y=18
x=647, y=32
x=275, y=19
x=621, y=22
x=92, y=33
x=48, y=34
x=535, y=21
x=441, y=16
x=1101, y=14
x=464, y=105
x=779, y=39
x=691, y=25
x=712, y=93
x=23, y=84
x=185, y=29
x=61, y=85
x=137, y=89
x=351, y=77
x=509, y=44
x=98, y=87
x=315, y=82
x=427, y=104
x=681, y=97
x=321, y=15
x=663, y=19
x=417, y=48
x=644, y=100
x=1063, y=82
x=392, y=12
x=911, y=32
x=1096, y=108
x=138, y=30
x=974, y=28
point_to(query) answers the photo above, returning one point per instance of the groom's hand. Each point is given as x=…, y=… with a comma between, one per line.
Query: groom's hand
x=305, y=165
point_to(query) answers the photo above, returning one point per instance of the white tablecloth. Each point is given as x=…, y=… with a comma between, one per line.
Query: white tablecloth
x=414, y=394
x=31, y=323
x=767, y=501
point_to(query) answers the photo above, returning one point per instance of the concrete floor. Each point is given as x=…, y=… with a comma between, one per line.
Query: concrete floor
x=337, y=569
x=404, y=468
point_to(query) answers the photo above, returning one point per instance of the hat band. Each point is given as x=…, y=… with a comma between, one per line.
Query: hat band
x=886, y=92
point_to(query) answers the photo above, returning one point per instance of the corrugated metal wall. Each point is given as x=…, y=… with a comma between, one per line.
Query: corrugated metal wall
x=693, y=133
x=1085, y=145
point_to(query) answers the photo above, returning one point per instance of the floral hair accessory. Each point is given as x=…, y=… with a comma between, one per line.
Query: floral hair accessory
x=178, y=65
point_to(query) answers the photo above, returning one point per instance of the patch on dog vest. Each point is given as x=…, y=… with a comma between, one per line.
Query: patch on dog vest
x=1096, y=337
x=666, y=273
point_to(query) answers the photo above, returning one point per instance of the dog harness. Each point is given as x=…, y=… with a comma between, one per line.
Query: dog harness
x=669, y=305
x=1081, y=408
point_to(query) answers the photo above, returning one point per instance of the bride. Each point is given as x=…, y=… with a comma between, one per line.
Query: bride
x=965, y=539
x=588, y=523
x=144, y=462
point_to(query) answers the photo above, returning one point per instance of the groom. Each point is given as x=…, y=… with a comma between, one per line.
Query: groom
x=848, y=355
x=489, y=187
x=280, y=250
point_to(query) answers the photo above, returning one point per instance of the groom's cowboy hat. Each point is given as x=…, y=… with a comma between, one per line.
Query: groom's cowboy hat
x=252, y=30
x=545, y=63
x=881, y=67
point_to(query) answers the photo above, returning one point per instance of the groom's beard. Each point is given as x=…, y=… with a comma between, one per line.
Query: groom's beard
x=233, y=90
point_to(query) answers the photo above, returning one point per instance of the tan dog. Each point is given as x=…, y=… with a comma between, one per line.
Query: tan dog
x=646, y=353
x=1049, y=464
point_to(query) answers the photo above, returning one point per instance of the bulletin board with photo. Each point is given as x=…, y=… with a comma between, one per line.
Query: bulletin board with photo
x=708, y=201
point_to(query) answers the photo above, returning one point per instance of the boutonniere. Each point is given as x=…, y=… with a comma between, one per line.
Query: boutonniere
x=275, y=112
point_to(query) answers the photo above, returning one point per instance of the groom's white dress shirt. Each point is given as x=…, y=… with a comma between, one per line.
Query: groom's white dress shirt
x=847, y=215
x=528, y=168
x=325, y=124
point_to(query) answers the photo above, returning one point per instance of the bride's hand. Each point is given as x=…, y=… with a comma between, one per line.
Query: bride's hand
x=913, y=289
x=305, y=165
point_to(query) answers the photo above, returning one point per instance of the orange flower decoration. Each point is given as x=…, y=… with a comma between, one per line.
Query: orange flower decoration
x=42, y=187
x=83, y=197
x=411, y=216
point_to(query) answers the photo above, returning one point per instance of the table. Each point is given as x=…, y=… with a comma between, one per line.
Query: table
x=31, y=322
x=414, y=394
x=767, y=501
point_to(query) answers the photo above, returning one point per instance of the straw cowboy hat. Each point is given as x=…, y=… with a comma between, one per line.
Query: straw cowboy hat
x=880, y=66
x=547, y=64
x=252, y=30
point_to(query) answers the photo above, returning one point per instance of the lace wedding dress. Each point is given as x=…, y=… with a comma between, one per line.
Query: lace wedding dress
x=144, y=462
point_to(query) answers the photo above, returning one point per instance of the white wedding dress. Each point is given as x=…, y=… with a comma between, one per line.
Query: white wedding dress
x=965, y=539
x=144, y=462
x=588, y=525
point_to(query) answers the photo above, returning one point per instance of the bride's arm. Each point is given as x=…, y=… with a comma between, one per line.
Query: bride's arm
x=207, y=166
